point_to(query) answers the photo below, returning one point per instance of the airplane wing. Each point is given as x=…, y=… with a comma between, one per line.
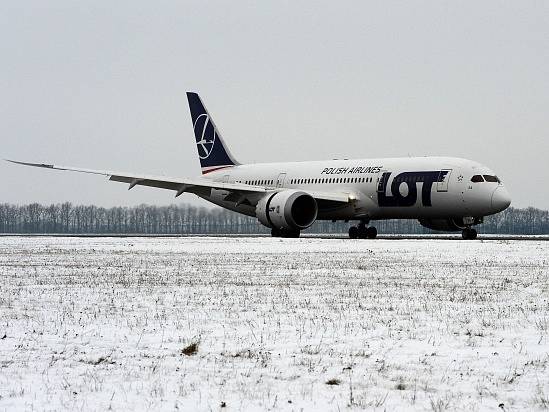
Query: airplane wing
x=199, y=186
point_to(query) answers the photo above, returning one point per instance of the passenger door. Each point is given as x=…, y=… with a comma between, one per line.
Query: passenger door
x=280, y=180
x=444, y=178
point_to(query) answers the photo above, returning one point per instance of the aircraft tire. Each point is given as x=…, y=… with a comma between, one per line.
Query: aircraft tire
x=291, y=233
x=371, y=232
x=469, y=234
x=285, y=233
x=353, y=232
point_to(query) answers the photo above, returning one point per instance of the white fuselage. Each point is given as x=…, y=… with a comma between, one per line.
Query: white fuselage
x=388, y=188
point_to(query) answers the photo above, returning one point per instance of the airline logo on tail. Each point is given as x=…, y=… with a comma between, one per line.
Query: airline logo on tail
x=205, y=135
x=212, y=150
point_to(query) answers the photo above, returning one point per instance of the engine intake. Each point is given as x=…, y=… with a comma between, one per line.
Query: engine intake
x=287, y=210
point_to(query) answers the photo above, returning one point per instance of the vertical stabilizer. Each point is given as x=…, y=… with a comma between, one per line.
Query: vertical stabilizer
x=212, y=150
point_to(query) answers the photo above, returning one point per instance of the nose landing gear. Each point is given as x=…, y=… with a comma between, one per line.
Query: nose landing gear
x=361, y=231
x=469, y=233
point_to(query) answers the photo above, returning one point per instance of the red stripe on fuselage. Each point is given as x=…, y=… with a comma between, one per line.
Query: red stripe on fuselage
x=213, y=170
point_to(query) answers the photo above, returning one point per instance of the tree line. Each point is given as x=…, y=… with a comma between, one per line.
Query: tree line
x=66, y=218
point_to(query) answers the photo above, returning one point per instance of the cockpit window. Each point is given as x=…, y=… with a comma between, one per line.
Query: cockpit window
x=477, y=179
x=493, y=179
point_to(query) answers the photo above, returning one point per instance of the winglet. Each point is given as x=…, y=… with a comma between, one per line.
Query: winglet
x=31, y=164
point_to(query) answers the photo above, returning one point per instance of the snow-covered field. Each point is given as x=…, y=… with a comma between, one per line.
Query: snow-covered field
x=286, y=324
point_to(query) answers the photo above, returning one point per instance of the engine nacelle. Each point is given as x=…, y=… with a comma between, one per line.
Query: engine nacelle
x=287, y=210
x=447, y=225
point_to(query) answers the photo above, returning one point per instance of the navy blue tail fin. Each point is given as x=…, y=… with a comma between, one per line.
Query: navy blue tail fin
x=212, y=151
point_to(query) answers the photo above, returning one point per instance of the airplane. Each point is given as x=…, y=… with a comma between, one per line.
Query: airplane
x=442, y=193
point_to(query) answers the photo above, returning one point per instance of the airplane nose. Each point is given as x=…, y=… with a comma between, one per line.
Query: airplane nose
x=500, y=199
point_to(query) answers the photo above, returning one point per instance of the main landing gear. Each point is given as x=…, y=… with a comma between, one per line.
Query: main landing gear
x=361, y=231
x=285, y=233
x=469, y=233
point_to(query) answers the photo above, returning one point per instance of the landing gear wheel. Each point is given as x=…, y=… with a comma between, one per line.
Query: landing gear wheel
x=353, y=232
x=291, y=233
x=362, y=231
x=285, y=233
x=469, y=234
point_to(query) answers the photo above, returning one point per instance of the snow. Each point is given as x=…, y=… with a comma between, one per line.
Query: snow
x=98, y=323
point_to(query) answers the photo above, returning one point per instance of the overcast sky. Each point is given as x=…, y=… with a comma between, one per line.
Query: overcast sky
x=101, y=84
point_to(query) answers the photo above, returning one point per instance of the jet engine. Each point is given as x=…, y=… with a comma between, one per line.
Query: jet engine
x=287, y=210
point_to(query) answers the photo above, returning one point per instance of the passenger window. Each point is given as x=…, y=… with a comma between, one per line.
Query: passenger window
x=477, y=179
